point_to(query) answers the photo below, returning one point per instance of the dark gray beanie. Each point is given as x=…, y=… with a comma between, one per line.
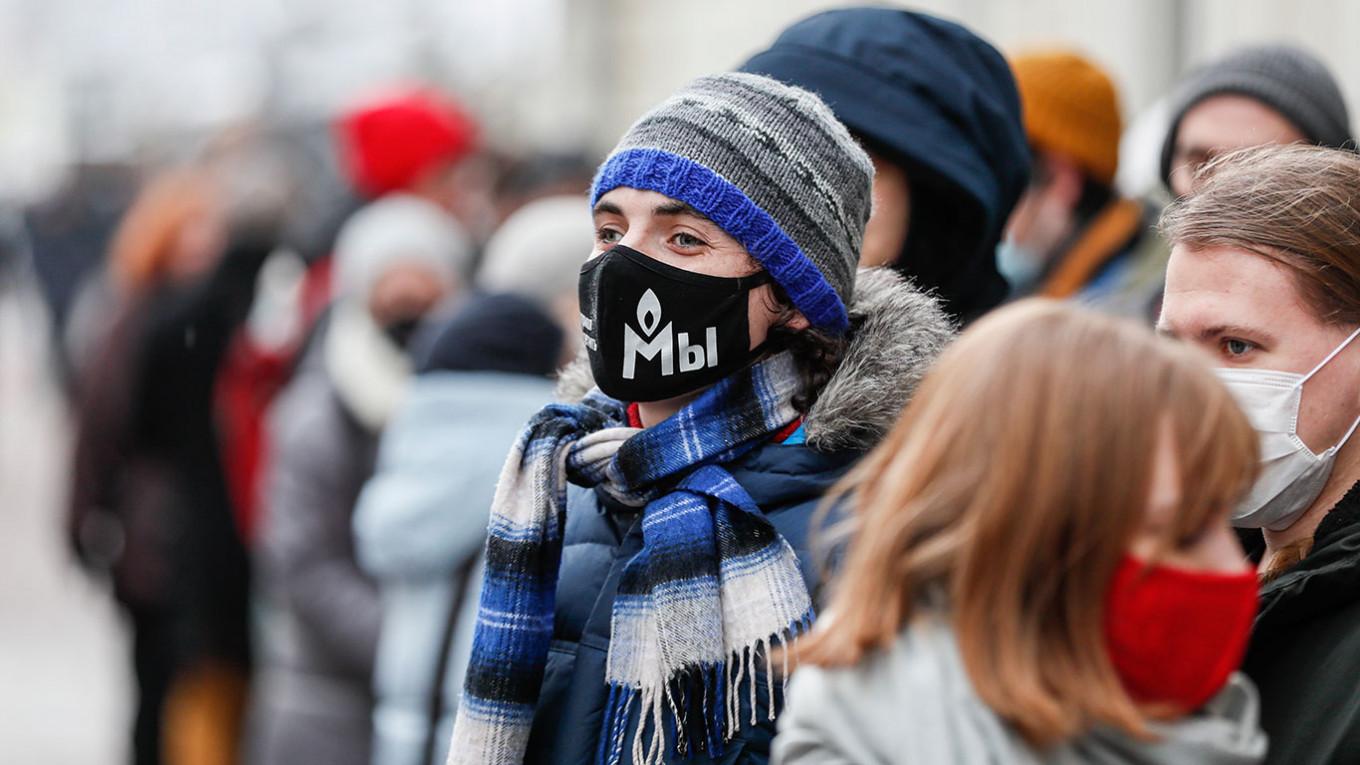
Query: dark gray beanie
x=1289, y=80
x=770, y=164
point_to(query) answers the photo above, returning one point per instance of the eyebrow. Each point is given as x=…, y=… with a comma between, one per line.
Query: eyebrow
x=1219, y=330
x=1195, y=149
x=606, y=208
x=666, y=208
x=676, y=208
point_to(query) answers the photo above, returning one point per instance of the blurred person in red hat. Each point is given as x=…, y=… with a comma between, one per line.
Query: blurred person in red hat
x=404, y=142
x=415, y=141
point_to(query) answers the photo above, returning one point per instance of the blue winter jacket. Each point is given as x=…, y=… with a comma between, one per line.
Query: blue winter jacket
x=601, y=537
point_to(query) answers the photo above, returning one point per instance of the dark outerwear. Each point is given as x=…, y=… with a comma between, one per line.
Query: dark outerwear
x=1305, y=649
x=897, y=332
x=938, y=100
x=187, y=337
x=148, y=472
x=148, y=455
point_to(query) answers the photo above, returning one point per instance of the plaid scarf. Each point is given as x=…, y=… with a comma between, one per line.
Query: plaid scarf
x=713, y=588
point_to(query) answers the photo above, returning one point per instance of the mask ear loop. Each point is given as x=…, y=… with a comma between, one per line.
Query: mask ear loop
x=1330, y=356
x=1356, y=424
x=1348, y=435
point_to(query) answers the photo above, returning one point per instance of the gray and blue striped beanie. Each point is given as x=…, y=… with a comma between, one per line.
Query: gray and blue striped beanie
x=769, y=164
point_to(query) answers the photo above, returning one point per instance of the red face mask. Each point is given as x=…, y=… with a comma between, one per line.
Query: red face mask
x=1175, y=635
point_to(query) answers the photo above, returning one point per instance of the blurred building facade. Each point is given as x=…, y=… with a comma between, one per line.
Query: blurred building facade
x=100, y=80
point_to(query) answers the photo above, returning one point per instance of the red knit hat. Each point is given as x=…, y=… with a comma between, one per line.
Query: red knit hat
x=386, y=144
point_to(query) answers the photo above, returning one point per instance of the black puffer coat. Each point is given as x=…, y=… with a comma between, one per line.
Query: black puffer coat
x=1305, y=648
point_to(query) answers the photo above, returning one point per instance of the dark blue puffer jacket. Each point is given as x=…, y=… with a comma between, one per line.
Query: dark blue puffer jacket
x=897, y=332
x=936, y=99
x=602, y=536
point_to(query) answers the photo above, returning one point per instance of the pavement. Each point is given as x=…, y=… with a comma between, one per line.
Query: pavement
x=65, y=682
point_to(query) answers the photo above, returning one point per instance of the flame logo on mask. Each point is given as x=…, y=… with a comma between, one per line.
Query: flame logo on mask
x=649, y=313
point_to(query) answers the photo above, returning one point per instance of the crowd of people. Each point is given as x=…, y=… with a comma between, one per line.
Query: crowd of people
x=845, y=412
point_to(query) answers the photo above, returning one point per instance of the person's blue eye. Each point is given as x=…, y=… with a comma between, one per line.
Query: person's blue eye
x=1235, y=348
x=607, y=235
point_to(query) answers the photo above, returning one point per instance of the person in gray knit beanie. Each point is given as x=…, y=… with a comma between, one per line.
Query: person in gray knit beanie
x=1296, y=99
x=769, y=164
x=737, y=363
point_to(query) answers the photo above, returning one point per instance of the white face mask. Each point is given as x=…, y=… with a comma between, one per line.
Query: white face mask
x=1292, y=476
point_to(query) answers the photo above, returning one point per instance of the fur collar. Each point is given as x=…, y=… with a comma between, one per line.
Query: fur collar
x=897, y=331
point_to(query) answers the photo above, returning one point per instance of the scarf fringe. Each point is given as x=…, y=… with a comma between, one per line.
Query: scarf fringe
x=700, y=707
x=671, y=627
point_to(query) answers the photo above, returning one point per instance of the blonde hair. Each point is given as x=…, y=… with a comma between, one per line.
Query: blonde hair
x=145, y=244
x=1012, y=485
x=1297, y=205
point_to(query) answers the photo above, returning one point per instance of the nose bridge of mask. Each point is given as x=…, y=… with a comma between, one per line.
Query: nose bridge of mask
x=660, y=269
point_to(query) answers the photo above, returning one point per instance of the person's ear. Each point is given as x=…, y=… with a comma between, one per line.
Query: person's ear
x=797, y=322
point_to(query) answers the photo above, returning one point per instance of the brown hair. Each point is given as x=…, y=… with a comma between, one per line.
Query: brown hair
x=145, y=243
x=817, y=354
x=1009, y=490
x=1297, y=205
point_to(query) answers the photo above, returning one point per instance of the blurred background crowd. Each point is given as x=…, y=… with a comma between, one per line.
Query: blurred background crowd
x=231, y=235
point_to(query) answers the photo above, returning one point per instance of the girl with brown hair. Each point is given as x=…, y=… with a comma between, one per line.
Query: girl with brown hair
x=1030, y=577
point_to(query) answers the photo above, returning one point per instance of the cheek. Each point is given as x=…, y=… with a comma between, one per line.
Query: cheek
x=1051, y=217
x=886, y=233
x=406, y=294
x=1329, y=403
x=1217, y=551
x=760, y=313
x=1018, y=227
x=1181, y=176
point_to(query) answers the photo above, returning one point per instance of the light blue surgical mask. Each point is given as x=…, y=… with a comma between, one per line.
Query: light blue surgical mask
x=1020, y=265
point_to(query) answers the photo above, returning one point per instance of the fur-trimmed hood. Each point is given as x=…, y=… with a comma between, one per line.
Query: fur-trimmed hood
x=897, y=330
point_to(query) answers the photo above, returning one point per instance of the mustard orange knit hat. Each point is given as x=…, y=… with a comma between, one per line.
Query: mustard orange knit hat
x=1070, y=108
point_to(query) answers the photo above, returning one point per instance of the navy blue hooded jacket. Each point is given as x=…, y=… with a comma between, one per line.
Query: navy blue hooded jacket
x=897, y=333
x=939, y=101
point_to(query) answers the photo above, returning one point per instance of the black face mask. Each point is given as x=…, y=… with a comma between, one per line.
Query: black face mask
x=401, y=331
x=654, y=331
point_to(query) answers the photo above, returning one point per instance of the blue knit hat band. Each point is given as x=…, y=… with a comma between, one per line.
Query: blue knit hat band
x=730, y=209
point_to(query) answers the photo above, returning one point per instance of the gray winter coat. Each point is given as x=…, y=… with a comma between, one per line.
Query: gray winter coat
x=420, y=527
x=320, y=612
x=914, y=705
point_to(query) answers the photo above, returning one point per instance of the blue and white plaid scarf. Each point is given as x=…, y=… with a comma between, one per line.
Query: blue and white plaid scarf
x=713, y=588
